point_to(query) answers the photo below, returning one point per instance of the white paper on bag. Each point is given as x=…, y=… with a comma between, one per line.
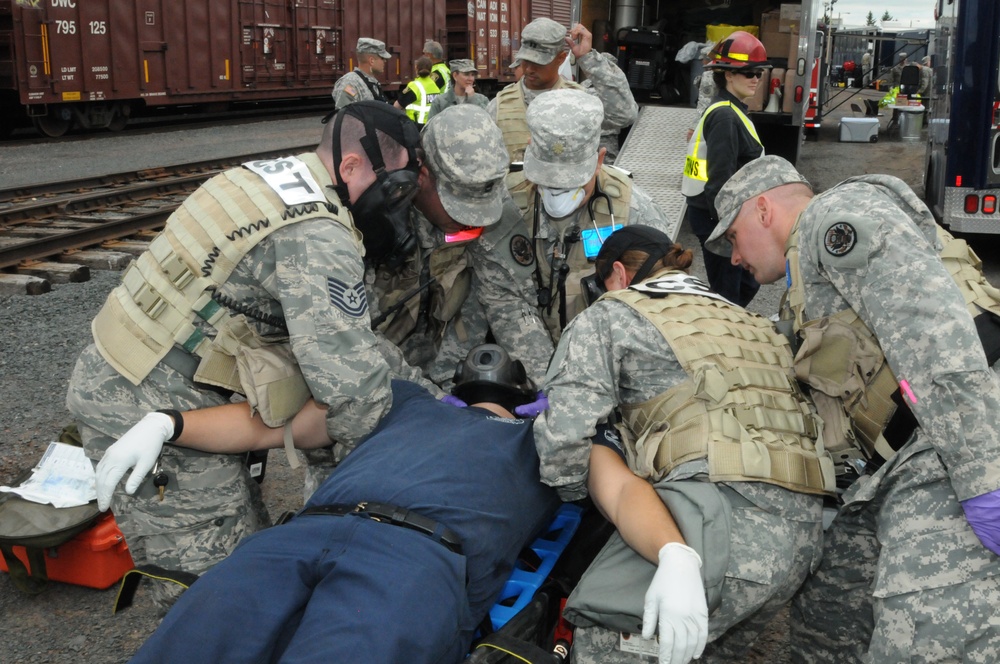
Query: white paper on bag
x=64, y=477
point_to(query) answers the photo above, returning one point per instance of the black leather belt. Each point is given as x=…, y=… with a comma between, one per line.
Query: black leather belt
x=397, y=516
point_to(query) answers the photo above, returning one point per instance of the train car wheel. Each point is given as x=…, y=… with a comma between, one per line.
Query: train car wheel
x=51, y=126
x=118, y=122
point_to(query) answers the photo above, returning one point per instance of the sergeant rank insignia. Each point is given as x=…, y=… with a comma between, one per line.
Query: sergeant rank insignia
x=349, y=299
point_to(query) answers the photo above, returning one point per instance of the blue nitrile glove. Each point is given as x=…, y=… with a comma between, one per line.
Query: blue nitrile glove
x=983, y=514
x=452, y=400
x=535, y=408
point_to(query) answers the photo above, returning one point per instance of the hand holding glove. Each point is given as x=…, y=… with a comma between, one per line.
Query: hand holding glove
x=139, y=448
x=675, y=605
x=535, y=408
x=983, y=514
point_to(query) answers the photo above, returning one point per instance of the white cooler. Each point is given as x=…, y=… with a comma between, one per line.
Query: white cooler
x=858, y=130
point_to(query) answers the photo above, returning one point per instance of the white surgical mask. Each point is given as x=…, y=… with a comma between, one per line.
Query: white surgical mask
x=559, y=203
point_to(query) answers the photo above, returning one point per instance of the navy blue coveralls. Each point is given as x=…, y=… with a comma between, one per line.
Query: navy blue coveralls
x=325, y=588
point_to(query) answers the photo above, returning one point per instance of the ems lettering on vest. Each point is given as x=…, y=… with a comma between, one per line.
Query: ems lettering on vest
x=290, y=178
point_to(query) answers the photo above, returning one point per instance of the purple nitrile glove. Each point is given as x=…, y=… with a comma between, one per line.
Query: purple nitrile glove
x=535, y=408
x=983, y=514
x=452, y=400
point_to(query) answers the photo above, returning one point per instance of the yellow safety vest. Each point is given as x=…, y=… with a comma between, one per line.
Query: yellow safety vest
x=696, y=162
x=426, y=91
x=445, y=74
x=740, y=407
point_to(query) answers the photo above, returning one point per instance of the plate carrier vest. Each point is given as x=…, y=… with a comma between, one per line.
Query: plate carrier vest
x=740, y=407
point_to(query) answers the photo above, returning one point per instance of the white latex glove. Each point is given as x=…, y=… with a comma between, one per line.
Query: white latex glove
x=139, y=448
x=675, y=605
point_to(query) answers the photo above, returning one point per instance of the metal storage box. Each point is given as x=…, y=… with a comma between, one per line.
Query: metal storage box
x=858, y=130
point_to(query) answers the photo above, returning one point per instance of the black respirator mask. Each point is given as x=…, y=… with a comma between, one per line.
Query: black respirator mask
x=382, y=211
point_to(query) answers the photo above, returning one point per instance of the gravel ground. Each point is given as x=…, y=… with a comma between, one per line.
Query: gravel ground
x=45, y=333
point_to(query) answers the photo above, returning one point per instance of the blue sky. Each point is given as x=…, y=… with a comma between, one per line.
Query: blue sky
x=853, y=12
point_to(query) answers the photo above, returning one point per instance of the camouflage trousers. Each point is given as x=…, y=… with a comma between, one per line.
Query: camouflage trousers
x=903, y=577
x=770, y=556
x=210, y=502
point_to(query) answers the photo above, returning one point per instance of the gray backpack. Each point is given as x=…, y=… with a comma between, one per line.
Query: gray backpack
x=37, y=527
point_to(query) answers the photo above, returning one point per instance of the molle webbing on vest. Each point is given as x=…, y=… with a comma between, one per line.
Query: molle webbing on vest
x=617, y=184
x=448, y=266
x=511, y=120
x=841, y=359
x=966, y=269
x=740, y=407
x=511, y=109
x=170, y=286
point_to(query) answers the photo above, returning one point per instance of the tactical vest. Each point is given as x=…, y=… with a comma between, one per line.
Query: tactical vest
x=435, y=307
x=445, y=74
x=171, y=286
x=696, y=163
x=614, y=182
x=426, y=91
x=740, y=406
x=511, y=108
x=840, y=358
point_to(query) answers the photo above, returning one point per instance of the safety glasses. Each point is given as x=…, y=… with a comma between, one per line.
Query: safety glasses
x=753, y=73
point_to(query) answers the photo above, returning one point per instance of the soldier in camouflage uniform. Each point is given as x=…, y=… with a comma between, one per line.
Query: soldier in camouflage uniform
x=572, y=200
x=268, y=257
x=666, y=353
x=609, y=130
x=468, y=275
x=544, y=45
x=361, y=84
x=461, y=91
x=910, y=570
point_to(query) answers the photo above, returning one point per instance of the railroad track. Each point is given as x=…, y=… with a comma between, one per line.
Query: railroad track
x=57, y=231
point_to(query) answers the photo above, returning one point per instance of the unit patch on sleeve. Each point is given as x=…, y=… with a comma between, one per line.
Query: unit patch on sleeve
x=840, y=239
x=521, y=250
x=349, y=299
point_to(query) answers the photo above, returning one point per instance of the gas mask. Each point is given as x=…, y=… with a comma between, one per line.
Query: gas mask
x=489, y=373
x=560, y=203
x=382, y=211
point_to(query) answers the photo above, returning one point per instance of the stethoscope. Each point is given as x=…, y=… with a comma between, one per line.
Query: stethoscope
x=558, y=268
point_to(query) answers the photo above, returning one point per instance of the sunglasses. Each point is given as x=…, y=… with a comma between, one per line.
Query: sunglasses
x=753, y=73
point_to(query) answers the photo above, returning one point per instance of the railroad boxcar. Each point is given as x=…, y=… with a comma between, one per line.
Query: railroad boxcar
x=94, y=63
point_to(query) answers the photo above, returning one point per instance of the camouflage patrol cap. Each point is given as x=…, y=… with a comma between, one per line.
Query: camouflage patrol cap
x=756, y=177
x=541, y=41
x=565, y=130
x=373, y=46
x=465, y=152
x=462, y=65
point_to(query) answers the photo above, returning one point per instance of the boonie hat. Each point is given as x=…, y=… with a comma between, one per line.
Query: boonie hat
x=756, y=177
x=541, y=41
x=464, y=65
x=368, y=45
x=565, y=130
x=465, y=152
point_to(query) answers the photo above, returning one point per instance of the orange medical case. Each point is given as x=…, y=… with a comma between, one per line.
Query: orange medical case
x=96, y=558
